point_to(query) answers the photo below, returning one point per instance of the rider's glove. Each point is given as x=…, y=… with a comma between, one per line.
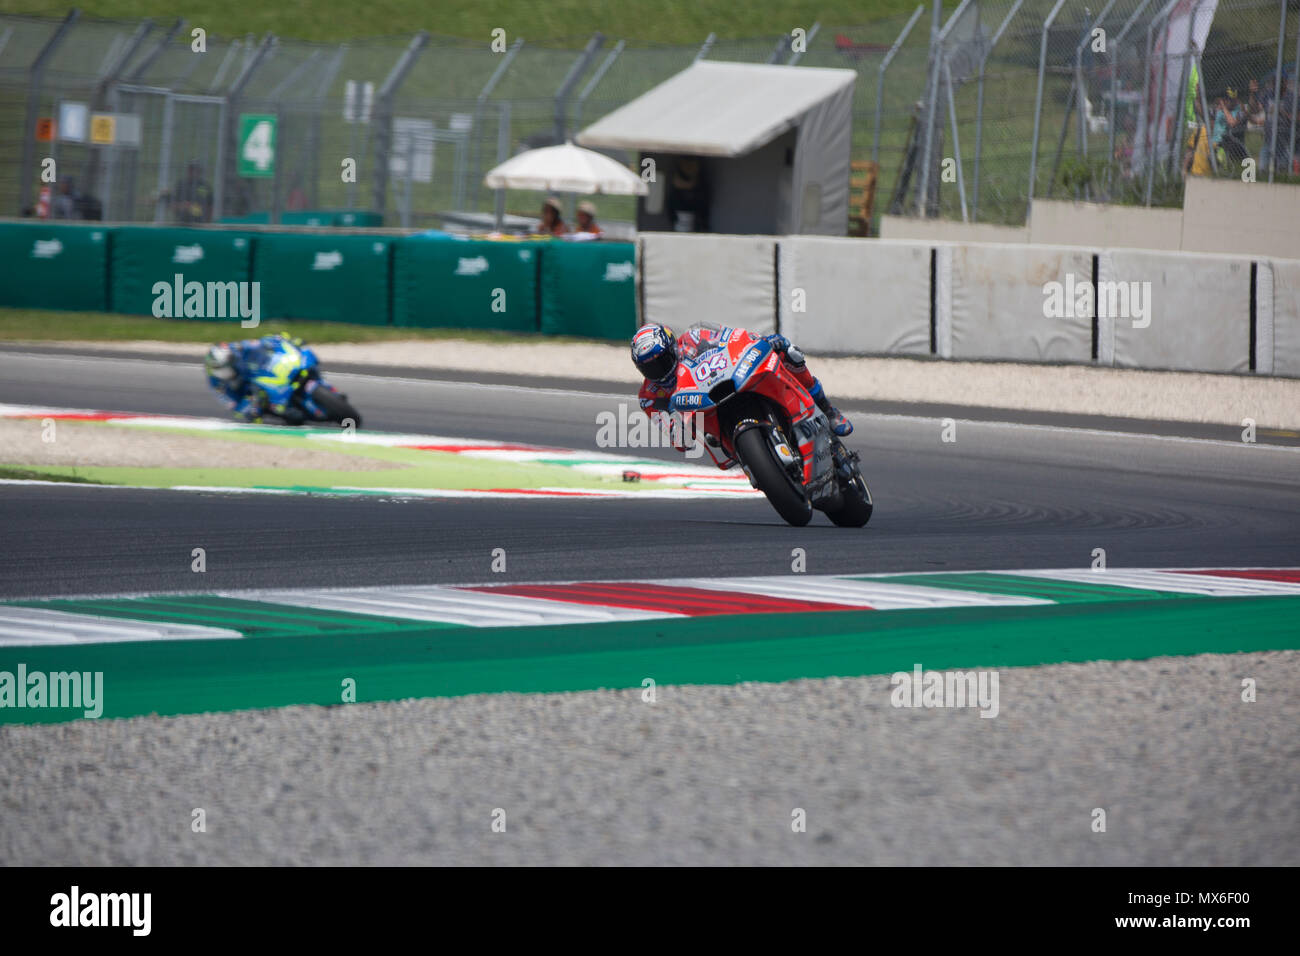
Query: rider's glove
x=778, y=342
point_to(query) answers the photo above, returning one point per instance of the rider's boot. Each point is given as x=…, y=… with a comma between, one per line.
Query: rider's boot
x=839, y=424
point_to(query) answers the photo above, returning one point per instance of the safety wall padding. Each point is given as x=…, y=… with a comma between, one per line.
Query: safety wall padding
x=54, y=267
x=589, y=289
x=855, y=295
x=1284, y=304
x=326, y=278
x=1021, y=303
x=688, y=278
x=466, y=284
x=143, y=256
x=1186, y=312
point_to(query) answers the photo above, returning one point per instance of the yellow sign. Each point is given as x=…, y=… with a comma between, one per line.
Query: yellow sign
x=103, y=128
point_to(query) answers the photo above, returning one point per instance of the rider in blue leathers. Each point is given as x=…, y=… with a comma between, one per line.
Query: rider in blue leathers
x=231, y=368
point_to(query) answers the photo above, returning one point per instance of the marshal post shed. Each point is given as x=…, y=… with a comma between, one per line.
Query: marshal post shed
x=740, y=148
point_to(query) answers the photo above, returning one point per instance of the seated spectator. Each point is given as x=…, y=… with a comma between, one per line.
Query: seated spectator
x=66, y=203
x=191, y=199
x=552, y=222
x=587, y=220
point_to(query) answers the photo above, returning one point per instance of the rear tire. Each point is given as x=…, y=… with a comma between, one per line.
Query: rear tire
x=857, y=507
x=336, y=407
x=789, y=500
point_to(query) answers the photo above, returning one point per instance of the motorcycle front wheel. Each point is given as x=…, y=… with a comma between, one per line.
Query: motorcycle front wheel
x=789, y=499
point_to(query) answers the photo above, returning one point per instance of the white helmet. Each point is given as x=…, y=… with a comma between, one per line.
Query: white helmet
x=220, y=362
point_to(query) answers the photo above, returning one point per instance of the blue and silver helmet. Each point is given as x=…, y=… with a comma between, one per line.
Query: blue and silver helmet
x=654, y=352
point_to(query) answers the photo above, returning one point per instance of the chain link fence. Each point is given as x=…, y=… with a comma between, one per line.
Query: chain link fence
x=968, y=115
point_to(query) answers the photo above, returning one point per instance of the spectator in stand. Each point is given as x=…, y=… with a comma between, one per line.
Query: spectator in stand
x=191, y=200
x=1229, y=128
x=587, y=220
x=66, y=204
x=1282, y=161
x=1196, y=161
x=1287, y=132
x=552, y=222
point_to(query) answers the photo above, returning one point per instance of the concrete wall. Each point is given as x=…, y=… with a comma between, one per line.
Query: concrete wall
x=943, y=230
x=1057, y=223
x=1218, y=216
x=1153, y=309
x=1251, y=219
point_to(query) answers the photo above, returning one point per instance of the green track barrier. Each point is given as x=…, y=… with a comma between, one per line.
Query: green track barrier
x=453, y=283
x=308, y=217
x=143, y=256
x=329, y=278
x=589, y=289
x=54, y=267
x=252, y=219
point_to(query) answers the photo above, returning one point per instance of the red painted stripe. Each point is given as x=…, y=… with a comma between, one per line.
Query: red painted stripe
x=77, y=416
x=647, y=596
x=543, y=493
x=463, y=448
x=1285, y=575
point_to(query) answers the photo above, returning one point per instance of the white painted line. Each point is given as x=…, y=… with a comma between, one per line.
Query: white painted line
x=452, y=606
x=1170, y=581
x=881, y=595
x=38, y=627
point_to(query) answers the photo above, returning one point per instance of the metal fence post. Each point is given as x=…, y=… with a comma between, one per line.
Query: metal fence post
x=1277, y=90
x=956, y=143
x=151, y=57
x=106, y=94
x=979, y=107
x=709, y=40
x=34, y=77
x=884, y=65
x=383, y=116
x=232, y=118
x=318, y=105
x=936, y=52
x=503, y=150
x=481, y=102
x=595, y=81
x=1152, y=156
x=812, y=32
x=1295, y=101
x=1115, y=46
x=1038, y=107
x=782, y=44
x=571, y=78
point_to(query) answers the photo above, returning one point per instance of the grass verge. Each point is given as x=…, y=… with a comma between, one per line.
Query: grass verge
x=28, y=474
x=46, y=325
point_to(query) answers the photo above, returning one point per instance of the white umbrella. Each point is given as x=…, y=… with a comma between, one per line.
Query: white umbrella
x=566, y=169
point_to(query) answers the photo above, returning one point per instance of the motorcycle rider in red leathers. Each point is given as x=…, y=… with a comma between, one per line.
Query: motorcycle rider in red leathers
x=654, y=353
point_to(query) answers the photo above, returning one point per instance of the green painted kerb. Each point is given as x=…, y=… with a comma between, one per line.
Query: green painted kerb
x=420, y=660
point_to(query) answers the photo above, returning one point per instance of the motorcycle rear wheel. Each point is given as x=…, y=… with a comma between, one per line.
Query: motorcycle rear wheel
x=857, y=507
x=336, y=407
x=789, y=499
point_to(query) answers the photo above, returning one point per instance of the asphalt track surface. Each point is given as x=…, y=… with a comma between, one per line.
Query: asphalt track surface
x=1002, y=495
x=1187, y=773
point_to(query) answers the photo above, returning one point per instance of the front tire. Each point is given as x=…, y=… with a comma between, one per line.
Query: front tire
x=789, y=499
x=336, y=407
